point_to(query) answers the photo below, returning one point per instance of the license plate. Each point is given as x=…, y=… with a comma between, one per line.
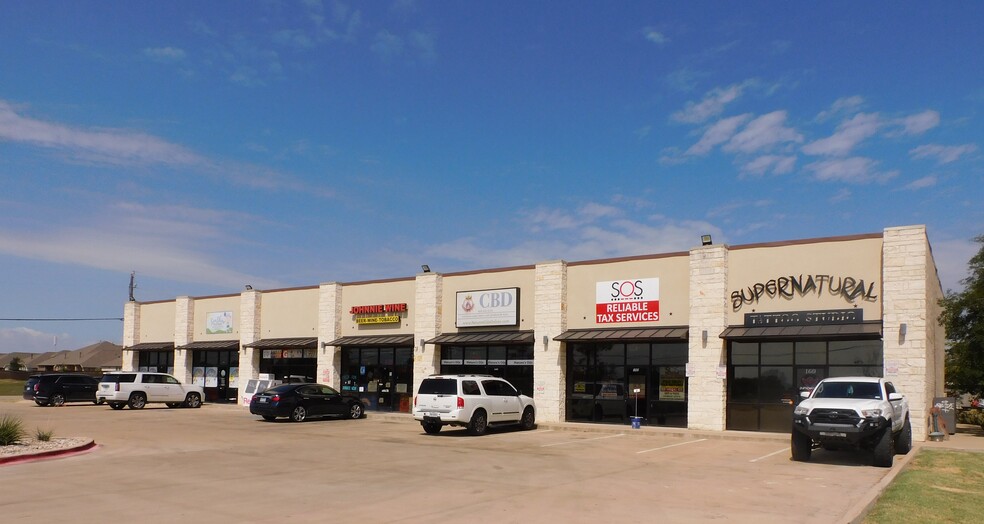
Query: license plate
x=832, y=434
x=264, y=400
x=434, y=414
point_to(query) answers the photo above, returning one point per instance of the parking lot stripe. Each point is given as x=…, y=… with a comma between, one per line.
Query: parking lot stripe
x=769, y=455
x=672, y=445
x=581, y=440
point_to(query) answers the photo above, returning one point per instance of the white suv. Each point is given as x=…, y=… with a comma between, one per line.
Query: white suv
x=136, y=389
x=472, y=401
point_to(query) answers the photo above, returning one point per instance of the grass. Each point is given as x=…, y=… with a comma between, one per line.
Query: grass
x=11, y=430
x=938, y=486
x=9, y=386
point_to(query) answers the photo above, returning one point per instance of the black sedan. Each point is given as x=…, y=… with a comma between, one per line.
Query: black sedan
x=302, y=401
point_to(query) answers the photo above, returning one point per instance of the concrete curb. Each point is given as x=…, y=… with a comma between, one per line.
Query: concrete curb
x=857, y=512
x=45, y=455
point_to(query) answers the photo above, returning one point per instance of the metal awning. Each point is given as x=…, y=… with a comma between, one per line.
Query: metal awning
x=604, y=335
x=373, y=341
x=152, y=346
x=284, y=343
x=214, y=345
x=864, y=329
x=498, y=337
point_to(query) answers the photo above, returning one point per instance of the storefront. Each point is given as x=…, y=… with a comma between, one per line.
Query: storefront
x=154, y=356
x=215, y=367
x=379, y=370
x=288, y=359
x=508, y=355
x=615, y=374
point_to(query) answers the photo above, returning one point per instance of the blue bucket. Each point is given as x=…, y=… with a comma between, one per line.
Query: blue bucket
x=636, y=422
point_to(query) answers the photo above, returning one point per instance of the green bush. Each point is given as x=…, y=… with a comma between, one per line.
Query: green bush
x=972, y=416
x=11, y=430
x=44, y=435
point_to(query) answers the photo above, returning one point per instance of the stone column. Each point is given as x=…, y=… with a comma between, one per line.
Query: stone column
x=550, y=358
x=184, y=332
x=910, y=288
x=249, y=332
x=329, y=328
x=428, y=294
x=706, y=401
x=131, y=335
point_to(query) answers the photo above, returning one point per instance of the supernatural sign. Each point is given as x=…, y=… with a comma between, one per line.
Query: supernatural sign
x=789, y=287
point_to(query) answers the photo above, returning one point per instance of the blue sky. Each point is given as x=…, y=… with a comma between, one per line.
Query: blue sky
x=209, y=145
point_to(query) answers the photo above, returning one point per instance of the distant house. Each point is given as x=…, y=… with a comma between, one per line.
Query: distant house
x=95, y=358
x=6, y=359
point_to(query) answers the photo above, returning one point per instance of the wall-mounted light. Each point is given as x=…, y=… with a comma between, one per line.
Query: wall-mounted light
x=902, y=329
x=546, y=341
x=249, y=287
x=703, y=337
x=426, y=268
x=705, y=240
x=422, y=344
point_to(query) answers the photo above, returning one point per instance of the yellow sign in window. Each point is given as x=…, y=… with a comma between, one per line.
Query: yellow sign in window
x=389, y=319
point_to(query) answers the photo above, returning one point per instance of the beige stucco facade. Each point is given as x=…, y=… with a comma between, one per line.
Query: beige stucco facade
x=887, y=280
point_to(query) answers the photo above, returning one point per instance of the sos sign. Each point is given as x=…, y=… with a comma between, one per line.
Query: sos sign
x=628, y=300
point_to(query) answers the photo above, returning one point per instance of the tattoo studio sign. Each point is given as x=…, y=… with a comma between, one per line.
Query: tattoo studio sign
x=851, y=289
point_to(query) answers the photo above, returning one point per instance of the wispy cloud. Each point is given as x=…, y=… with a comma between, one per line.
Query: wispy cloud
x=763, y=133
x=717, y=134
x=920, y=123
x=942, y=154
x=854, y=170
x=841, y=106
x=654, y=36
x=769, y=164
x=922, y=183
x=710, y=106
x=165, y=54
x=848, y=135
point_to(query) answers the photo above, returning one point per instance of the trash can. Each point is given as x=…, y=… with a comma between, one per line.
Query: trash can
x=636, y=422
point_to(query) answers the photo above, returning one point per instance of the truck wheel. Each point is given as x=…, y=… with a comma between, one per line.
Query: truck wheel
x=479, y=423
x=431, y=428
x=903, y=441
x=801, y=445
x=884, y=451
x=117, y=405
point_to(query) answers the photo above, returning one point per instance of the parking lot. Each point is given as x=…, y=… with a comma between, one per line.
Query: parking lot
x=168, y=465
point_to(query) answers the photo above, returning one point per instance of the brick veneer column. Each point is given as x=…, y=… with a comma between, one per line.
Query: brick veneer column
x=131, y=334
x=250, y=305
x=909, y=290
x=550, y=320
x=428, y=293
x=708, y=312
x=329, y=328
x=184, y=327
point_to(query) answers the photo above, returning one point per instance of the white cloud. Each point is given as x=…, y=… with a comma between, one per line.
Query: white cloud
x=942, y=154
x=763, y=133
x=110, y=146
x=952, y=257
x=920, y=123
x=712, y=105
x=164, y=54
x=654, y=36
x=855, y=170
x=848, y=135
x=27, y=340
x=774, y=164
x=842, y=195
x=841, y=106
x=922, y=183
x=387, y=45
x=717, y=134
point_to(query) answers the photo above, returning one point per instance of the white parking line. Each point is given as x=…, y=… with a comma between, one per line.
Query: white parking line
x=769, y=455
x=672, y=445
x=582, y=440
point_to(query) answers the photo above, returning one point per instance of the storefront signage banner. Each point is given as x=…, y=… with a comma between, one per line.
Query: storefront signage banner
x=378, y=313
x=629, y=300
x=490, y=307
x=377, y=320
x=788, y=287
x=218, y=322
x=805, y=318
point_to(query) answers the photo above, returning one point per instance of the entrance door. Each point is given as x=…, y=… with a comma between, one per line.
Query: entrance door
x=638, y=380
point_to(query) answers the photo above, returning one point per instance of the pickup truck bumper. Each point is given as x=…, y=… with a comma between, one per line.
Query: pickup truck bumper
x=848, y=433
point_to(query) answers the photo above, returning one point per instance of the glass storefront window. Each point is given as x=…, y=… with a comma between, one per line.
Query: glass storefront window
x=636, y=354
x=670, y=354
x=856, y=353
x=774, y=353
x=811, y=353
x=611, y=354
x=744, y=353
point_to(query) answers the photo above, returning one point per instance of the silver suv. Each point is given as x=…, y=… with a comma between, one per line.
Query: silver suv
x=136, y=389
x=472, y=401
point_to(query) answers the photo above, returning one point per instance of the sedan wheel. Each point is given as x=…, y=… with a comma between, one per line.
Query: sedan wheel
x=194, y=400
x=299, y=414
x=57, y=400
x=117, y=405
x=356, y=410
x=269, y=418
x=479, y=423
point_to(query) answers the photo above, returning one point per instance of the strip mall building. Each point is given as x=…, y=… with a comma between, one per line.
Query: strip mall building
x=717, y=338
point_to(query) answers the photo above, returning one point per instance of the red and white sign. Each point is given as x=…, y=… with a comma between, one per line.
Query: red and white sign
x=630, y=300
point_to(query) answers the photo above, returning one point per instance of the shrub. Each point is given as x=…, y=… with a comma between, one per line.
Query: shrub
x=975, y=416
x=11, y=430
x=43, y=435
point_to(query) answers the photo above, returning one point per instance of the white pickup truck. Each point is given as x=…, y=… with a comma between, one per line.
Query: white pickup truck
x=852, y=413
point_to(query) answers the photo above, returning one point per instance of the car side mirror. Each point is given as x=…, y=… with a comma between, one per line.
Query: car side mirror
x=804, y=394
x=895, y=396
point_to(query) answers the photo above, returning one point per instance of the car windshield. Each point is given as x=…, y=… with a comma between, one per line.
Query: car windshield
x=865, y=390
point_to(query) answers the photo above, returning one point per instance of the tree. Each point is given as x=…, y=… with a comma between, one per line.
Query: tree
x=15, y=364
x=963, y=319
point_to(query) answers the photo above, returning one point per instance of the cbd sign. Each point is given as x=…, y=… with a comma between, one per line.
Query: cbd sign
x=628, y=300
x=489, y=307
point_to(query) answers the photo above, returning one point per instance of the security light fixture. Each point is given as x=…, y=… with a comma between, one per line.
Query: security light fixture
x=249, y=287
x=426, y=268
x=902, y=329
x=705, y=240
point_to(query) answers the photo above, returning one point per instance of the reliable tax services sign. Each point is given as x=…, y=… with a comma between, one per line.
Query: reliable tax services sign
x=631, y=300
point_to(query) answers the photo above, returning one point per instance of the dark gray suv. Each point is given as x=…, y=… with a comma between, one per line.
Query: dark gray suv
x=55, y=389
